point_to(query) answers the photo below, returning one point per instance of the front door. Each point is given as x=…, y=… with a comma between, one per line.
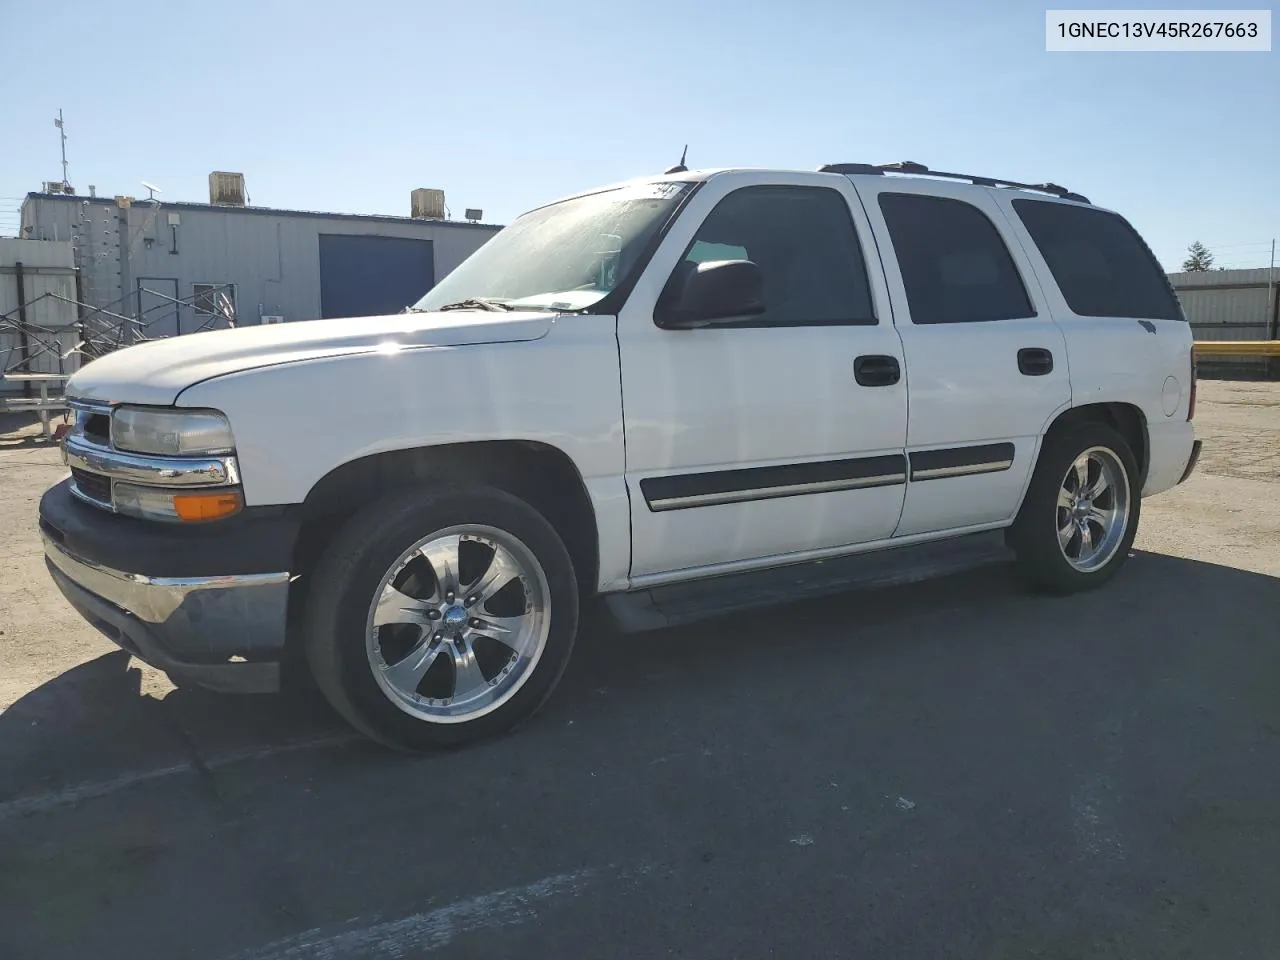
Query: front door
x=986, y=362
x=781, y=435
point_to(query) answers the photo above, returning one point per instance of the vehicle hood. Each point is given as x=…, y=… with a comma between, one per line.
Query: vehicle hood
x=157, y=371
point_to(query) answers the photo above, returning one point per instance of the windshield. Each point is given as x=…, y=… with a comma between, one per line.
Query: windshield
x=565, y=256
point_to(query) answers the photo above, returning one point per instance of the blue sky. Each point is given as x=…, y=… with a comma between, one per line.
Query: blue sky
x=348, y=106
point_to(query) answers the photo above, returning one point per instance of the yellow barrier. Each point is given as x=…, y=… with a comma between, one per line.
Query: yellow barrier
x=1237, y=348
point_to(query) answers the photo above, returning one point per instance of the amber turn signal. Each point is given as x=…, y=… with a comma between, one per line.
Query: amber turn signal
x=197, y=507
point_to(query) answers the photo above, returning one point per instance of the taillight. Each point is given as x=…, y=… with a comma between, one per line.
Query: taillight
x=1191, y=404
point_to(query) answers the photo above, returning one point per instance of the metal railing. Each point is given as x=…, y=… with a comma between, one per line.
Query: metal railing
x=100, y=330
x=1237, y=348
x=97, y=331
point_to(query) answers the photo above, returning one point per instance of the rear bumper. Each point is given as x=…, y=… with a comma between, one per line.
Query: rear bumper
x=210, y=607
x=1191, y=463
x=1171, y=444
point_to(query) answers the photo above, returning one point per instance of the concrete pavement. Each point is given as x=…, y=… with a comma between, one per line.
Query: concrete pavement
x=949, y=769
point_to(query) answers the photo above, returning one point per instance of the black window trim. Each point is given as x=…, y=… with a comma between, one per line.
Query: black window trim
x=1013, y=261
x=758, y=323
x=1015, y=202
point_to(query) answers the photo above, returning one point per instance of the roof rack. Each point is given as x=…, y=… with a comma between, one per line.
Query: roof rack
x=908, y=166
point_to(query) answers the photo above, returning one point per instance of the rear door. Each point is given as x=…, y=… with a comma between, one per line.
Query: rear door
x=986, y=363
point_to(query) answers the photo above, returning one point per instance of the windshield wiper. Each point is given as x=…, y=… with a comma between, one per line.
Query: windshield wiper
x=478, y=303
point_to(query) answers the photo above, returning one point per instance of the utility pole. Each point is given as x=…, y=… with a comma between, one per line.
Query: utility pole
x=1272, y=303
x=58, y=123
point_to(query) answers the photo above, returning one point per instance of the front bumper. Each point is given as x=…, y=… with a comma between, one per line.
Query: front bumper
x=223, y=631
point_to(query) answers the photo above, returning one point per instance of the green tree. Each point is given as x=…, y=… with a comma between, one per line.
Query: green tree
x=1200, y=258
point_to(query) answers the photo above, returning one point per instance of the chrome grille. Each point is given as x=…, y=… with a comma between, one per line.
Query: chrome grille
x=92, y=486
x=96, y=428
x=95, y=463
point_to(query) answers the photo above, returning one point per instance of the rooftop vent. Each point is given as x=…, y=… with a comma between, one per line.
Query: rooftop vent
x=226, y=189
x=427, y=204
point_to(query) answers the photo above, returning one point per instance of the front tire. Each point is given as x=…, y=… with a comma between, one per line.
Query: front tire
x=1080, y=514
x=441, y=617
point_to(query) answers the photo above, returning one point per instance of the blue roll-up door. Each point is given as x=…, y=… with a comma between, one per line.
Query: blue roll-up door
x=363, y=276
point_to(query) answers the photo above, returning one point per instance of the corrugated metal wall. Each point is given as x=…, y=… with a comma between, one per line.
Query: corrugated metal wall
x=92, y=227
x=1230, y=305
x=272, y=257
x=46, y=268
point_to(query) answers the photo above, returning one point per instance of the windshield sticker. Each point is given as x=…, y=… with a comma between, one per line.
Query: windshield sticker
x=660, y=191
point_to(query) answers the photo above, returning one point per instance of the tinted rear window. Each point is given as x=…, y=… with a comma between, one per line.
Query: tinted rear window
x=955, y=266
x=1099, y=262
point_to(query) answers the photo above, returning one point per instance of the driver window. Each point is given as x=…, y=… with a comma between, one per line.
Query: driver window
x=702, y=251
x=804, y=242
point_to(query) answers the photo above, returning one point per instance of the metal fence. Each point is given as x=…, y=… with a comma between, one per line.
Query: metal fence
x=1232, y=305
x=34, y=340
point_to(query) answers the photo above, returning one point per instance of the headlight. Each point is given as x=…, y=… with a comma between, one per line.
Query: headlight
x=176, y=506
x=173, y=433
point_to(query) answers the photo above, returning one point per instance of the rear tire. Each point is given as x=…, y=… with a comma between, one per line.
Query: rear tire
x=1080, y=514
x=441, y=617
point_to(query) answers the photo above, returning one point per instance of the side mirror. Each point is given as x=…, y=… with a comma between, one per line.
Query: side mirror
x=713, y=291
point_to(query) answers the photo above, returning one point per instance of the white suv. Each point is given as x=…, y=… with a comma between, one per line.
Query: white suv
x=676, y=392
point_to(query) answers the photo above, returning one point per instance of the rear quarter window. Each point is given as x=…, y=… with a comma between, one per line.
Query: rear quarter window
x=1098, y=261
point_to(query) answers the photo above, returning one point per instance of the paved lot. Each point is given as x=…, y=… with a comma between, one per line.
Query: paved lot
x=953, y=769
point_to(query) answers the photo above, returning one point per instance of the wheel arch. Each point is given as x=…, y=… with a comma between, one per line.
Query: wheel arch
x=1127, y=419
x=1049, y=567
x=542, y=475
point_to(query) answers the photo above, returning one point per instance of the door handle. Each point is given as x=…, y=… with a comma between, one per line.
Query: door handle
x=874, y=370
x=1035, y=361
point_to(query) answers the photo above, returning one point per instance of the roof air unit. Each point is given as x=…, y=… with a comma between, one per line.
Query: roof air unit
x=427, y=204
x=226, y=189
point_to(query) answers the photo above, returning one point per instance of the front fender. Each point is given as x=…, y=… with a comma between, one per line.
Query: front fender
x=295, y=423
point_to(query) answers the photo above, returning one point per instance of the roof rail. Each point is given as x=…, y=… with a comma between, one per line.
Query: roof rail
x=919, y=169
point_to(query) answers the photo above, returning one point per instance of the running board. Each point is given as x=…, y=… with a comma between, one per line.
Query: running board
x=669, y=606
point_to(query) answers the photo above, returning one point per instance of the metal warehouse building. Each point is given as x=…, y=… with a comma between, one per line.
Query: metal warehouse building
x=137, y=257
x=1232, y=305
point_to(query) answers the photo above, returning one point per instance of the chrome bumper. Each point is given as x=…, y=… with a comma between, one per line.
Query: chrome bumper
x=203, y=629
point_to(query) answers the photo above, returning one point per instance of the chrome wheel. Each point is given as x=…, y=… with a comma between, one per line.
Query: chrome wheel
x=458, y=624
x=1093, y=509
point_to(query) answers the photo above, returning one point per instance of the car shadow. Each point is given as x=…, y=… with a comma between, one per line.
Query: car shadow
x=112, y=717
x=910, y=732
x=97, y=721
